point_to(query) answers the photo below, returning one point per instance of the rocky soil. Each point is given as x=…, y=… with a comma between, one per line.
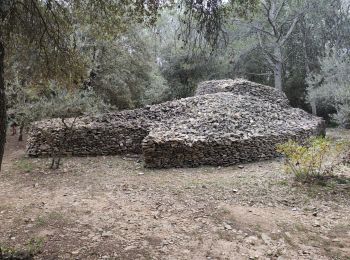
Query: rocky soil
x=112, y=208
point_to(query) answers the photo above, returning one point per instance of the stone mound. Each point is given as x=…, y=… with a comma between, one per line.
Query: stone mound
x=243, y=87
x=227, y=122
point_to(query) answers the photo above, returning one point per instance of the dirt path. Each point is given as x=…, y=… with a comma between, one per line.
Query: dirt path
x=112, y=208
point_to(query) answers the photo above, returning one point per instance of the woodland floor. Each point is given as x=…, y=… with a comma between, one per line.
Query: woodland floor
x=113, y=208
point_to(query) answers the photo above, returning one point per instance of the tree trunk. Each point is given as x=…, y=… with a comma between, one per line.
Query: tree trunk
x=278, y=76
x=278, y=68
x=307, y=62
x=313, y=107
x=20, y=137
x=3, y=118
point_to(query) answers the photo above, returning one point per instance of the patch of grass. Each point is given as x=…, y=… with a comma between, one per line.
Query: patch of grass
x=40, y=221
x=35, y=245
x=33, y=248
x=333, y=184
x=258, y=228
x=14, y=253
x=332, y=181
x=49, y=219
x=282, y=183
x=25, y=165
x=315, y=240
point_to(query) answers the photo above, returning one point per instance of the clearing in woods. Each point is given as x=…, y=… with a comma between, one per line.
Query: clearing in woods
x=113, y=208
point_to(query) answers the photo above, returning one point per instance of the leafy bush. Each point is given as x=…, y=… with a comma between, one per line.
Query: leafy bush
x=317, y=158
x=123, y=71
x=330, y=86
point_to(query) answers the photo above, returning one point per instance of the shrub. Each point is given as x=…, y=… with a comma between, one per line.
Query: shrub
x=317, y=158
x=330, y=86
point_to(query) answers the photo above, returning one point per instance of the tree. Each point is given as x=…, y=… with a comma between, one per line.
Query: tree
x=266, y=24
x=47, y=26
x=3, y=116
x=273, y=33
x=123, y=70
x=325, y=24
x=39, y=24
x=322, y=22
x=66, y=107
x=332, y=84
x=189, y=44
x=272, y=23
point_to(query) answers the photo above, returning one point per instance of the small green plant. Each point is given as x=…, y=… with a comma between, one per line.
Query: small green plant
x=13, y=253
x=35, y=245
x=40, y=221
x=51, y=218
x=25, y=165
x=317, y=158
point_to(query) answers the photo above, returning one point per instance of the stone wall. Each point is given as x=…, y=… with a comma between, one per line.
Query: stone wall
x=237, y=121
x=108, y=134
x=99, y=139
x=228, y=129
x=176, y=153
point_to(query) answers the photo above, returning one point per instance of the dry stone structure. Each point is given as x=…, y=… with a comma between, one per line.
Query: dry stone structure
x=227, y=122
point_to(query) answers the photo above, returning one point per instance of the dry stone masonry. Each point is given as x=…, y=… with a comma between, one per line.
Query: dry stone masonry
x=227, y=122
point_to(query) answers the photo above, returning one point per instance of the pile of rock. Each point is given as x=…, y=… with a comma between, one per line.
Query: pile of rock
x=243, y=87
x=227, y=122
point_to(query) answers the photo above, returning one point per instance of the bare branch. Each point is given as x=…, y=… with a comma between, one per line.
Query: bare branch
x=291, y=28
x=271, y=18
x=278, y=12
x=268, y=56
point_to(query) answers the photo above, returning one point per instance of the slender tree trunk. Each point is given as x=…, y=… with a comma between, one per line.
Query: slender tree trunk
x=307, y=62
x=313, y=107
x=20, y=136
x=313, y=102
x=278, y=76
x=3, y=118
x=278, y=68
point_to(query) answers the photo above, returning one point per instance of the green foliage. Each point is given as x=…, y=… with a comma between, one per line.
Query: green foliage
x=123, y=71
x=33, y=248
x=50, y=218
x=318, y=158
x=294, y=88
x=203, y=22
x=25, y=165
x=63, y=103
x=183, y=73
x=158, y=90
x=30, y=104
x=133, y=65
x=331, y=85
x=35, y=245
